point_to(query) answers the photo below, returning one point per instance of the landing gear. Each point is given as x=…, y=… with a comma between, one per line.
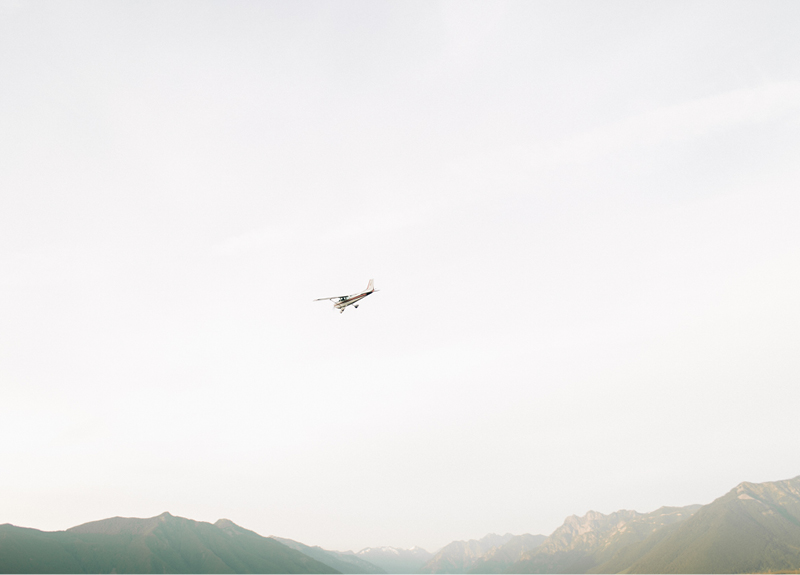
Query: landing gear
x=356, y=306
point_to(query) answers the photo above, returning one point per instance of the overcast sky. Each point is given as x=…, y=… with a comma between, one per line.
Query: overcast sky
x=582, y=217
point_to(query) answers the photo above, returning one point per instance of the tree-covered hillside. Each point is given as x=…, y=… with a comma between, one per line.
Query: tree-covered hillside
x=754, y=528
x=163, y=544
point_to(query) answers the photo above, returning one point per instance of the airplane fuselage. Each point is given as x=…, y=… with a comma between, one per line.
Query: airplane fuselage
x=350, y=300
x=342, y=301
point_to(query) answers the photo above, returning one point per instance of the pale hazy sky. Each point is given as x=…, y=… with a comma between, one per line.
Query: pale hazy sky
x=582, y=217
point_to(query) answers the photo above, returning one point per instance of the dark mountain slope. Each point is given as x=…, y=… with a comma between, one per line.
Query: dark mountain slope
x=32, y=551
x=753, y=528
x=163, y=544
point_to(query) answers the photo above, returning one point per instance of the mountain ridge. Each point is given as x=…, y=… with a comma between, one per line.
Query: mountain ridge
x=161, y=544
x=754, y=527
x=460, y=556
x=497, y=559
x=583, y=543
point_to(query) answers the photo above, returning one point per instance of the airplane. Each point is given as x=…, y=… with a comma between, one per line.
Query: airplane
x=342, y=301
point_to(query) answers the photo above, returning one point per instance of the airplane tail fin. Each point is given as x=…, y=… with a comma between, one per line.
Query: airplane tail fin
x=370, y=287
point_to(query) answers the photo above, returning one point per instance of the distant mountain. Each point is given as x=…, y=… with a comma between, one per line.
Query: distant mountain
x=163, y=544
x=460, y=556
x=394, y=560
x=499, y=559
x=345, y=562
x=754, y=528
x=583, y=543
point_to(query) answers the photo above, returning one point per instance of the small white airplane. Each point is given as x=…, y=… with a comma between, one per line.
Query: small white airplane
x=342, y=301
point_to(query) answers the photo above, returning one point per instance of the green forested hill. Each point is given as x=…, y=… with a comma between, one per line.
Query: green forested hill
x=163, y=544
x=754, y=528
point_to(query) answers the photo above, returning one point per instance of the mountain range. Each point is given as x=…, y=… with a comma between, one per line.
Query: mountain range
x=162, y=544
x=755, y=527
x=582, y=544
x=491, y=554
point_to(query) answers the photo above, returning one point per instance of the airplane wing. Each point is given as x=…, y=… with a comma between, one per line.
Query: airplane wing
x=369, y=290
